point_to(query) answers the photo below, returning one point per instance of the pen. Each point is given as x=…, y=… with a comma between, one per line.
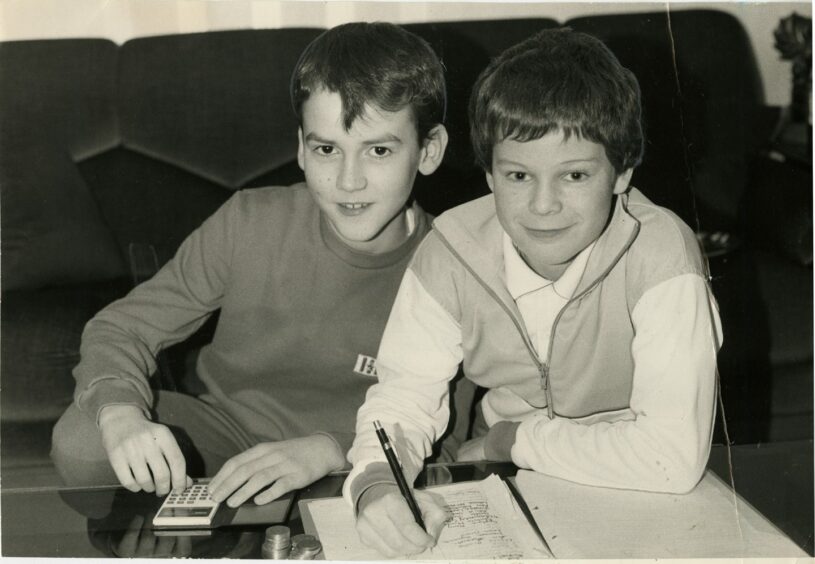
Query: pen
x=397, y=473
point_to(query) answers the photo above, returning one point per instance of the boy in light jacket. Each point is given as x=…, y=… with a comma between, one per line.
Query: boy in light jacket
x=582, y=307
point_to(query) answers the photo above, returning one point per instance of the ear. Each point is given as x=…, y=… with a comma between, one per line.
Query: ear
x=621, y=184
x=490, y=181
x=301, y=150
x=433, y=149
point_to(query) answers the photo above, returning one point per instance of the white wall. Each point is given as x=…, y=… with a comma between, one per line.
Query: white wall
x=121, y=20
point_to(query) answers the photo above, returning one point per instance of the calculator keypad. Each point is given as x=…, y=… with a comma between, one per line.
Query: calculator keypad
x=195, y=494
x=191, y=508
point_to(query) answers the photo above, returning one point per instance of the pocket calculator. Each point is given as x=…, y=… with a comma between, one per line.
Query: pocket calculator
x=189, y=509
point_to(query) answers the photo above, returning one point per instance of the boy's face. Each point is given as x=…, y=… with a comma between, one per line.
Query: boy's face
x=362, y=178
x=553, y=197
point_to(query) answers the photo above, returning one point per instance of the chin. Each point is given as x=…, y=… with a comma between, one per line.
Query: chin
x=359, y=237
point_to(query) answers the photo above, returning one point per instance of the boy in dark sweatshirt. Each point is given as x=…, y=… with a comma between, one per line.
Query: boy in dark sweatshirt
x=304, y=278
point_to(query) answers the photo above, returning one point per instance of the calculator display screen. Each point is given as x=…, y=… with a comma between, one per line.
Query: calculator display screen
x=185, y=512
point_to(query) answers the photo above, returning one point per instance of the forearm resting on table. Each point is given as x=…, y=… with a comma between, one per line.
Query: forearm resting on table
x=661, y=443
x=641, y=455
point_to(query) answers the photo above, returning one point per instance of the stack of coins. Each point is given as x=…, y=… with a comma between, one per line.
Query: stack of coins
x=277, y=544
x=304, y=547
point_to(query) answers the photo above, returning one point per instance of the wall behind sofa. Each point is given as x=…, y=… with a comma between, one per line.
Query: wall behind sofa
x=121, y=20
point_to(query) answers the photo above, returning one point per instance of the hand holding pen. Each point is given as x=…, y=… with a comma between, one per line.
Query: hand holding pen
x=395, y=520
x=398, y=475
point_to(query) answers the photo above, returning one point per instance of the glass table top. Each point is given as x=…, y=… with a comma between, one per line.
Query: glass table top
x=109, y=521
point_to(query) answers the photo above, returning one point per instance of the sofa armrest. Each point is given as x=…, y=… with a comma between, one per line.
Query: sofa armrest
x=778, y=206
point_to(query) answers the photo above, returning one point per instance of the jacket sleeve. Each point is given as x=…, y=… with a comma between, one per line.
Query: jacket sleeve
x=120, y=344
x=665, y=445
x=418, y=356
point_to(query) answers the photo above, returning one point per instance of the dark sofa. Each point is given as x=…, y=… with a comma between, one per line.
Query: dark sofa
x=110, y=155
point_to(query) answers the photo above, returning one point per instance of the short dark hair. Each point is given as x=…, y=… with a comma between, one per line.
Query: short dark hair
x=558, y=79
x=380, y=64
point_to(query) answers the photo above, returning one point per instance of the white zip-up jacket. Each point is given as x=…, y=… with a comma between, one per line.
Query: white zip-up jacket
x=623, y=397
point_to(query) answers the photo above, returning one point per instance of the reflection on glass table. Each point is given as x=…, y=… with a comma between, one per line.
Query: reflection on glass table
x=776, y=478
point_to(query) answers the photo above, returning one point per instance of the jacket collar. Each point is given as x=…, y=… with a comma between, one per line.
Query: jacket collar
x=474, y=234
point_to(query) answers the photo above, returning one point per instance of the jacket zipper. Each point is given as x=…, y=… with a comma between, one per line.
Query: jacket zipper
x=543, y=367
x=544, y=370
x=573, y=299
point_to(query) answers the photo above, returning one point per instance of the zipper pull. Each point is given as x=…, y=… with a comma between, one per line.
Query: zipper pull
x=544, y=372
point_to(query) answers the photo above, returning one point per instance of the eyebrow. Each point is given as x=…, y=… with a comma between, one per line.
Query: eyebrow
x=387, y=138
x=507, y=162
x=585, y=160
x=316, y=138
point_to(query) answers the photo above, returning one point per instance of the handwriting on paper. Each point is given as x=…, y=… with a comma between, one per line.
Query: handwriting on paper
x=484, y=524
x=475, y=529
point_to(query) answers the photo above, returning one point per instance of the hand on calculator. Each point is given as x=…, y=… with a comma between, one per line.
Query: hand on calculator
x=287, y=465
x=144, y=455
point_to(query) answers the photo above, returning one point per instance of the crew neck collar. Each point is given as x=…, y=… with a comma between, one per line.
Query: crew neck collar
x=362, y=259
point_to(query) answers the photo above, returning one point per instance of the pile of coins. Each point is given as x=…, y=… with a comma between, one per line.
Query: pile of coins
x=279, y=545
x=304, y=547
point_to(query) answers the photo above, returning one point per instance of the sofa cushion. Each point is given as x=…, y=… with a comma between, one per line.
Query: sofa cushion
x=52, y=232
x=147, y=202
x=41, y=334
x=57, y=107
x=765, y=364
x=786, y=289
x=778, y=208
x=215, y=104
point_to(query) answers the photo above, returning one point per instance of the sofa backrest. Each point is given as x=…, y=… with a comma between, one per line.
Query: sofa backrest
x=103, y=147
x=701, y=93
x=215, y=104
x=56, y=108
x=200, y=116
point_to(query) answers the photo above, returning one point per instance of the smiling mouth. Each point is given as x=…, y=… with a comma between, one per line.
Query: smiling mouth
x=545, y=233
x=353, y=209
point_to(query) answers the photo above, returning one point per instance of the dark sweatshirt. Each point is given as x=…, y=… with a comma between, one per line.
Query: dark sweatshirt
x=301, y=318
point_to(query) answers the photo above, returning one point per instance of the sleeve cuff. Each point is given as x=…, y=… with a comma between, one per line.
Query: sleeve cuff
x=343, y=442
x=110, y=391
x=375, y=473
x=499, y=440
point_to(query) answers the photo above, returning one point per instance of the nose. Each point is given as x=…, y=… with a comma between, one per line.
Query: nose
x=351, y=177
x=545, y=199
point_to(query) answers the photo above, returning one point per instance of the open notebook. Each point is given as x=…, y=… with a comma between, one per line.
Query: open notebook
x=486, y=523
x=709, y=522
x=577, y=522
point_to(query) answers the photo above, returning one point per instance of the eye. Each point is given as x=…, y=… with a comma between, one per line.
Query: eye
x=325, y=149
x=380, y=151
x=576, y=176
x=517, y=176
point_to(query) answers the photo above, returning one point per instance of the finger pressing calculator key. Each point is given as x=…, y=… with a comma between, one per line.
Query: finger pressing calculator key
x=189, y=509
